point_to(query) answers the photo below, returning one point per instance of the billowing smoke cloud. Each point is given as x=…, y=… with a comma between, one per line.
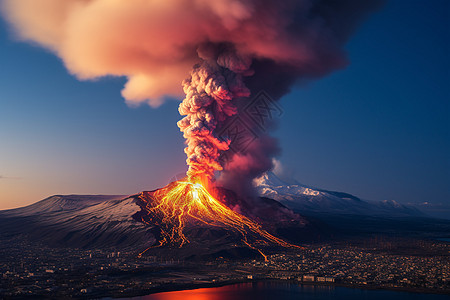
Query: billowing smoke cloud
x=154, y=43
x=210, y=92
x=237, y=47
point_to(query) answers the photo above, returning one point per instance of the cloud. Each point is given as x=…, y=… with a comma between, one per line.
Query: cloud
x=154, y=43
x=227, y=49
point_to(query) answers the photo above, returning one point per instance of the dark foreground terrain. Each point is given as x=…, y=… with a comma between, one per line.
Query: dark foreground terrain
x=88, y=247
x=30, y=270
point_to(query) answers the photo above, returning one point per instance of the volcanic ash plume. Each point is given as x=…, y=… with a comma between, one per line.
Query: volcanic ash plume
x=237, y=48
x=266, y=44
x=212, y=86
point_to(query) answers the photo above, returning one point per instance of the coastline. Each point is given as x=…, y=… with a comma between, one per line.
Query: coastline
x=194, y=286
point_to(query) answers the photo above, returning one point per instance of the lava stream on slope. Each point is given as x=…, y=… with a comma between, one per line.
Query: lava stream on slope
x=183, y=203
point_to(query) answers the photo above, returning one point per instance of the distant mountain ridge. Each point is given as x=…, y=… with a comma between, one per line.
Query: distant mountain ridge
x=105, y=221
x=116, y=221
x=308, y=200
x=62, y=202
x=79, y=221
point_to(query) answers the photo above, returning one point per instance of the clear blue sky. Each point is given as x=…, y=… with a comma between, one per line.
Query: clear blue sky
x=379, y=129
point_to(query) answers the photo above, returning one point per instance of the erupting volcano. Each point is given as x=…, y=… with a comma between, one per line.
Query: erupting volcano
x=230, y=50
x=184, y=203
x=213, y=86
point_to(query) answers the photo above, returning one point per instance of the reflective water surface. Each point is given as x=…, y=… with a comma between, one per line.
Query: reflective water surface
x=285, y=291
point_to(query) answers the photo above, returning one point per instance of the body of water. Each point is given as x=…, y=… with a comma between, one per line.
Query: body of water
x=286, y=291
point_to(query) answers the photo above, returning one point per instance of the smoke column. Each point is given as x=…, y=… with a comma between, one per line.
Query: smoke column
x=210, y=91
x=237, y=47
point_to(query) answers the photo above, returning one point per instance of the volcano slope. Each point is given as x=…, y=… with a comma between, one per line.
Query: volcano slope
x=186, y=216
x=121, y=222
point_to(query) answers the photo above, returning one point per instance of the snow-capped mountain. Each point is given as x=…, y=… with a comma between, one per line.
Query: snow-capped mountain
x=61, y=203
x=114, y=221
x=121, y=222
x=304, y=199
x=79, y=221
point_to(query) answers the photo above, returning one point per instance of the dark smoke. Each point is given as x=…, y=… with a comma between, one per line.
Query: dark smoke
x=237, y=48
x=335, y=21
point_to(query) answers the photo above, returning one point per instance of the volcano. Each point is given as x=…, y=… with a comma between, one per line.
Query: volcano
x=181, y=220
x=184, y=205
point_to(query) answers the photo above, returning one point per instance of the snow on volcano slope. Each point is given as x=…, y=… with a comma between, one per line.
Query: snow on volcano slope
x=305, y=199
x=61, y=203
x=79, y=221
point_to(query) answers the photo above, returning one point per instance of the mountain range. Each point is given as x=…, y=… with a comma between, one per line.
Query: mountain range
x=293, y=212
x=116, y=221
x=309, y=200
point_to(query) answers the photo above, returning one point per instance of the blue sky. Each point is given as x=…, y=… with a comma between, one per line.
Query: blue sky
x=378, y=129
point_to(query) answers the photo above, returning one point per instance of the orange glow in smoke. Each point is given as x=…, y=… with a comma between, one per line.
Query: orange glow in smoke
x=188, y=202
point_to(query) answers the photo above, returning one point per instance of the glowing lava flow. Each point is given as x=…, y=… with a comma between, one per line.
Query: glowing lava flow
x=183, y=202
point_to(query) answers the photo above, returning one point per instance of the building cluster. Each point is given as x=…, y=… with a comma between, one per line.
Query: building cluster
x=52, y=272
x=359, y=266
